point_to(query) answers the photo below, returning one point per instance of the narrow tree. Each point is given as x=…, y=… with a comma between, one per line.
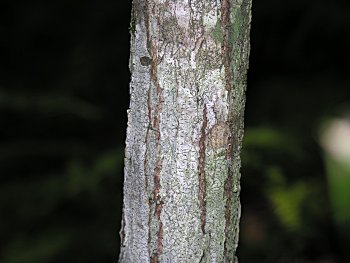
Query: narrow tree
x=189, y=60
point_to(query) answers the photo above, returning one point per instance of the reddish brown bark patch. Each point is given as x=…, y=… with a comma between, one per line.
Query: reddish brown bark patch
x=218, y=136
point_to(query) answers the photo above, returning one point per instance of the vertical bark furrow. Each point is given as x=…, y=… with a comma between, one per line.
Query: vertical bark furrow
x=228, y=194
x=226, y=45
x=157, y=173
x=201, y=171
x=226, y=57
x=145, y=164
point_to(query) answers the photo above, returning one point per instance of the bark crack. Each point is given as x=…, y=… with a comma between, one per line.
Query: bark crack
x=145, y=164
x=156, y=126
x=201, y=171
x=226, y=47
x=228, y=206
x=226, y=51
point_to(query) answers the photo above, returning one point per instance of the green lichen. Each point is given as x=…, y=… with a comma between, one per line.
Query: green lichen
x=217, y=33
x=239, y=41
x=132, y=26
x=216, y=174
x=237, y=26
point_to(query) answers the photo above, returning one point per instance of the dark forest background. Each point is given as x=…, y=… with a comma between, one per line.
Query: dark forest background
x=63, y=98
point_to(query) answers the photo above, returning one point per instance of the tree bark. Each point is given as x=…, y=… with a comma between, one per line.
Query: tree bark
x=189, y=60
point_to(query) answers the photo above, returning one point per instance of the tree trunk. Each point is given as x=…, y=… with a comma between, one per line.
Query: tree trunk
x=189, y=60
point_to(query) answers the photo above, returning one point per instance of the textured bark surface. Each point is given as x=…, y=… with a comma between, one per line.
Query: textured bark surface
x=189, y=60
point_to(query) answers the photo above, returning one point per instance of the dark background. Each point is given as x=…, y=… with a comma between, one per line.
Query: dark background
x=63, y=98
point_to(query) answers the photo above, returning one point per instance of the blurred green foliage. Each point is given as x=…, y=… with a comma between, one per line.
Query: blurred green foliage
x=57, y=217
x=63, y=99
x=339, y=187
x=286, y=200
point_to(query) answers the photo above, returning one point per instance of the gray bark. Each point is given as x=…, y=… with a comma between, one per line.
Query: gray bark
x=189, y=60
